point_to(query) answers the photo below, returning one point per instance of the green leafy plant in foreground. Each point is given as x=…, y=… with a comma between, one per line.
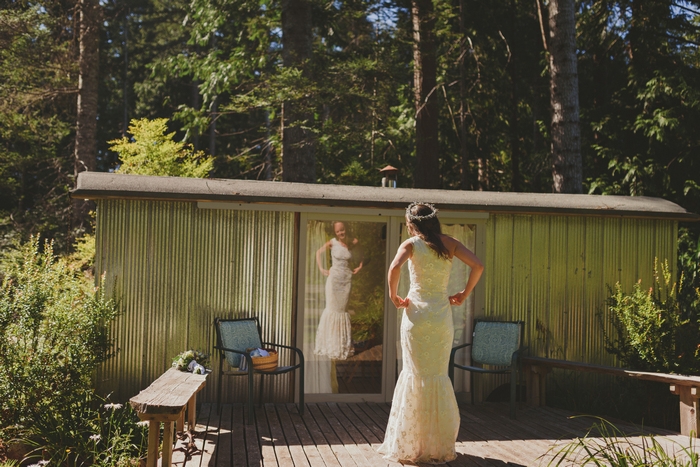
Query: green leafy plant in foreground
x=606, y=445
x=89, y=432
x=53, y=334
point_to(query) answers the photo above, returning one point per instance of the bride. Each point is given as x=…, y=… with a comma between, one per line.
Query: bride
x=424, y=418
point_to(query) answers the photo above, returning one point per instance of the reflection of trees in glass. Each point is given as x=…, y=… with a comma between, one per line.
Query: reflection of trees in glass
x=367, y=294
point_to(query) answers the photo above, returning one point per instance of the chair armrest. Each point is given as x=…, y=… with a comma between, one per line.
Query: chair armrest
x=515, y=358
x=295, y=349
x=224, y=349
x=455, y=349
x=249, y=359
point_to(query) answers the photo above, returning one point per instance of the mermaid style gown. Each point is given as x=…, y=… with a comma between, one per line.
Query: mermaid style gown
x=334, y=334
x=424, y=417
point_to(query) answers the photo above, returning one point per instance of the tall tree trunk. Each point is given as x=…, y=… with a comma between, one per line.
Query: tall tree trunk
x=647, y=34
x=213, y=115
x=515, y=156
x=298, y=158
x=427, y=171
x=563, y=69
x=464, y=182
x=85, y=154
x=125, y=97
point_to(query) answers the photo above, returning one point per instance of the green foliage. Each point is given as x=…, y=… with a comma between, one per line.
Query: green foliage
x=37, y=84
x=53, y=334
x=368, y=322
x=89, y=431
x=153, y=152
x=83, y=256
x=689, y=264
x=606, y=445
x=653, y=331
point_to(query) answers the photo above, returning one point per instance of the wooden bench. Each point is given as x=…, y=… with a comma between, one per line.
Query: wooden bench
x=687, y=387
x=166, y=400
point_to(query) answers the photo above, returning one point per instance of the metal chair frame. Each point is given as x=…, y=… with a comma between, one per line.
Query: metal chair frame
x=512, y=368
x=250, y=371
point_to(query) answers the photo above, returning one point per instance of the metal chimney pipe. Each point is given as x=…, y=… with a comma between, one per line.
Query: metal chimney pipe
x=390, y=176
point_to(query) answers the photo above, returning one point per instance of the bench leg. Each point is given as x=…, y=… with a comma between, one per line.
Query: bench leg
x=690, y=409
x=167, y=444
x=180, y=423
x=536, y=378
x=192, y=413
x=153, y=442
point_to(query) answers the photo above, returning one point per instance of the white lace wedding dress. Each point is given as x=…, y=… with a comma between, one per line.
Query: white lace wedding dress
x=334, y=333
x=424, y=418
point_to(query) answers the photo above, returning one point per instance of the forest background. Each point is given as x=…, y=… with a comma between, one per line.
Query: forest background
x=457, y=94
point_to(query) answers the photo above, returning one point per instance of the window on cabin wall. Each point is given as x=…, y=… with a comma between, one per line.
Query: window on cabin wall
x=344, y=306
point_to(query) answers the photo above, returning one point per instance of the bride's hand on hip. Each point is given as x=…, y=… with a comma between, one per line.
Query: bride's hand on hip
x=457, y=299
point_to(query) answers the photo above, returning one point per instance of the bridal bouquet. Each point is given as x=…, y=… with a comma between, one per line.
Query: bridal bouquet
x=192, y=361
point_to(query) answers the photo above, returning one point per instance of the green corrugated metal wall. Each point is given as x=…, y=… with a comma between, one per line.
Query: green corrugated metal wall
x=553, y=272
x=175, y=268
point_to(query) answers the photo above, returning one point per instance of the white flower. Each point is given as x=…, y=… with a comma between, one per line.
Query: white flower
x=95, y=437
x=142, y=423
x=113, y=406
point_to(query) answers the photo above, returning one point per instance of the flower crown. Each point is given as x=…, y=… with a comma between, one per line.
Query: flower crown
x=414, y=217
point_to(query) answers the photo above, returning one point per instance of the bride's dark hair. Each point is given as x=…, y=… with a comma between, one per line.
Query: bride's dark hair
x=423, y=220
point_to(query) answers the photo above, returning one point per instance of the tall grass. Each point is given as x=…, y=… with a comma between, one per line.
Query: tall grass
x=606, y=445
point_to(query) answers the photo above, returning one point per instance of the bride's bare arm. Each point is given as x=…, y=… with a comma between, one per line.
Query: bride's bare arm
x=325, y=246
x=402, y=254
x=465, y=255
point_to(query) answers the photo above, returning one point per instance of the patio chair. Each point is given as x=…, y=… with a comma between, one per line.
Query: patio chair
x=234, y=337
x=496, y=344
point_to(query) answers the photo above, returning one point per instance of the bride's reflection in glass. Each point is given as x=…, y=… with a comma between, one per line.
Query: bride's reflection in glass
x=334, y=334
x=345, y=272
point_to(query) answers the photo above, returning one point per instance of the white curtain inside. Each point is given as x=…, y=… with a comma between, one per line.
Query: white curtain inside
x=317, y=377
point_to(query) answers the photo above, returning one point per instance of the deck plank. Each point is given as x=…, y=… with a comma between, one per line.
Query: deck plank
x=348, y=434
x=223, y=449
x=366, y=442
x=200, y=432
x=343, y=452
x=238, y=441
x=284, y=456
x=296, y=449
x=331, y=456
x=293, y=419
x=267, y=447
x=209, y=432
x=252, y=443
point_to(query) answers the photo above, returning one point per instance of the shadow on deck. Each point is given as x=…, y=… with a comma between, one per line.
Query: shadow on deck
x=348, y=434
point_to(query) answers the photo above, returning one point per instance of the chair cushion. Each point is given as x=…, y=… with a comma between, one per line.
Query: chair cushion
x=494, y=342
x=238, y=335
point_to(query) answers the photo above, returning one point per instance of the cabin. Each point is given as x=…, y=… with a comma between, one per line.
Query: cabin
x=178, y=253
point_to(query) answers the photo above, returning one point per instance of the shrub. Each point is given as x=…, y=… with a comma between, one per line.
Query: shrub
x=91, y=432
x=53, y=334
x=654, y=330
x=153, y=152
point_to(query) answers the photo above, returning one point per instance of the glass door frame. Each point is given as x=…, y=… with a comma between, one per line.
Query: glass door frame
x=389, y=352
x=393, y=219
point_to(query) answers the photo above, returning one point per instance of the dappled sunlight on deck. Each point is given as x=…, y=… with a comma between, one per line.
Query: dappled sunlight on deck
x=348, y=434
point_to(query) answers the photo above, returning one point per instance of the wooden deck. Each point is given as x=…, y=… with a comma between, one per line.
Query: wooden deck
x=343, y=435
